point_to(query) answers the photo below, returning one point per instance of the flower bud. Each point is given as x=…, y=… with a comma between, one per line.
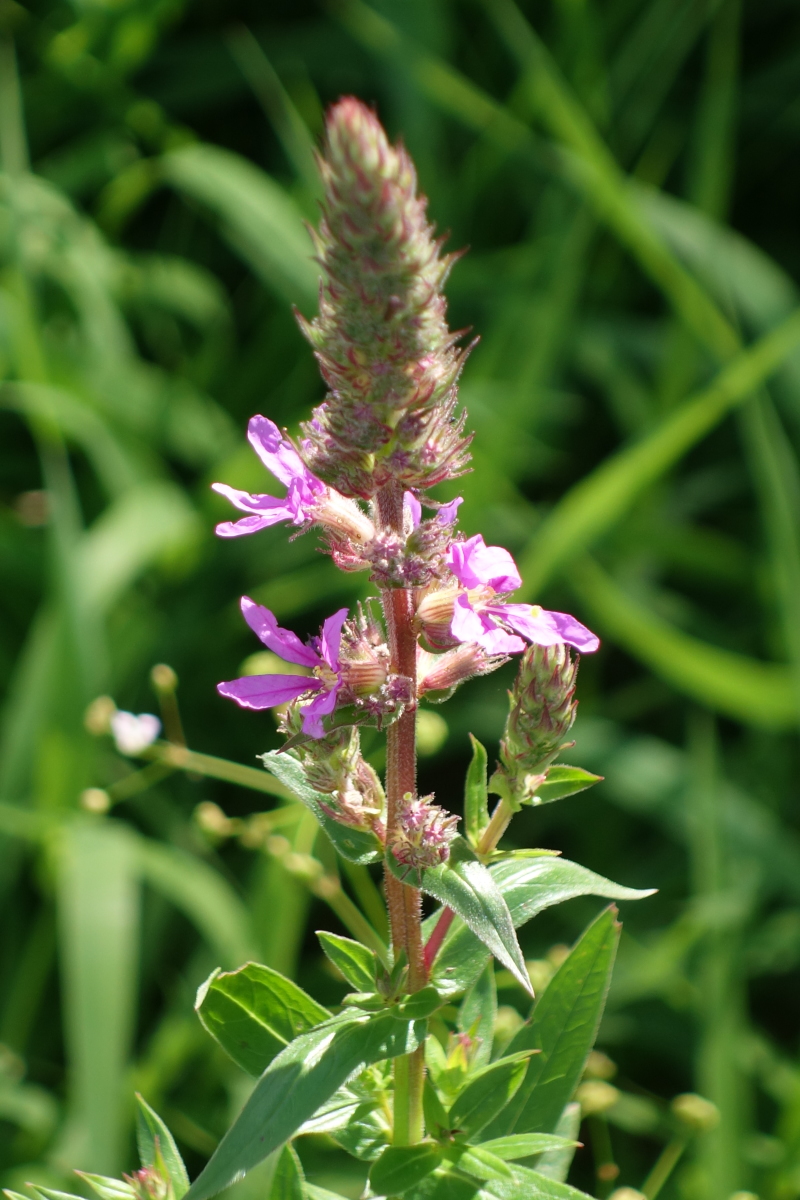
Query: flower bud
x=381, y=338
x=334, y=766
x=443, y=672
x=423, y=833
x=149, y=1183
x=434, y=617
x=542, y=712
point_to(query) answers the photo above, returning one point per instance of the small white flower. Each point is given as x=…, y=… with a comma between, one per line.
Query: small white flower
x=132, y=733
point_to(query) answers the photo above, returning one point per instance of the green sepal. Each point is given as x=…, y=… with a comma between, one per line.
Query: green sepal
x=157, y=1148
x=358, y=964
x=476, y=794
x=357, y=845
x=487, y=1093
x=562, y=781
x=254, y=1013
x=402, y=1167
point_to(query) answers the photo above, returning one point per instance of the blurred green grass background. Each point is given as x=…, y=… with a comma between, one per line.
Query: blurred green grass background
x=626, y=176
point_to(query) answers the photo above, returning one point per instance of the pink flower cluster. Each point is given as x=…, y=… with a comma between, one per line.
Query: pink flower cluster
x=466, y=606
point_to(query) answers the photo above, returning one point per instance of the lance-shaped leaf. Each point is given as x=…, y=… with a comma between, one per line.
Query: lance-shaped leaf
x=254, y=1013
x=555, y=1164
x=563, y=1028
x=476, y=794
x=402, y=1167
x=354, y=961
x=533, y=1186
x=524, y=1145
x=464, y=884
x=288, y=1182
x=478, y=1013
x=528, y=885
x=297, y=1083
x=562, y=781
x=487, y=1094
x=156, y=1147
x=357, y=845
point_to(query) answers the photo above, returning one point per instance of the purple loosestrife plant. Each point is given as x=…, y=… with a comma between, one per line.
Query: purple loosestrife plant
x=388, y=430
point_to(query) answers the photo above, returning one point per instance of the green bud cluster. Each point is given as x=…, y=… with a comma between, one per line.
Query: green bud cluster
x=334, y=766
x=381, y=337
x=542, y=710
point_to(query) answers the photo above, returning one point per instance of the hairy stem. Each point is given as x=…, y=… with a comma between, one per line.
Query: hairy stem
x=404, y=903
x=501, y=818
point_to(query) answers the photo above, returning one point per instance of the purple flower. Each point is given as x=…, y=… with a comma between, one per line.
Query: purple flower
x=474, y=563
x=321, y=657
x=479, y=616
x=446, y=515
x=304, y=490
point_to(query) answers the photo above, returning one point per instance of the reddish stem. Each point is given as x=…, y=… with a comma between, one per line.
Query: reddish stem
x=404, y=903
x=434, y=942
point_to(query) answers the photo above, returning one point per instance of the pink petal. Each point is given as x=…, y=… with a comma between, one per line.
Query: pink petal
x=448, y=513
x=230, y=529
x=497, y=641
x=474, y=563
x=547, y=628
x=466, y=624
x=265, y=691
x=283, y=642
x=331, y=638
x=248, y=502
x=275, y=451
x=321, y=706
x=413, y=507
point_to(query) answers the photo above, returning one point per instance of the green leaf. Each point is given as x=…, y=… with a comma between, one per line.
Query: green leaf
x=477, y=1014
x=155, y=1142
x=523, y=1145
x=436, y=1121
x=562, y=781
x=476, y=795
x=528, y=885
x=402, y=1167
x=288, y=1182
x=477, y=1161
x=297, y=1083
x=420, y=1004
x=464, y=884
x=107, y=1188
x=317, y=1193
x=555, y=1164
x=357, y=845
x=487, y=1093
x=533, y=1186
x=354, y=961
x=254, y=1013
x=563, y=1027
